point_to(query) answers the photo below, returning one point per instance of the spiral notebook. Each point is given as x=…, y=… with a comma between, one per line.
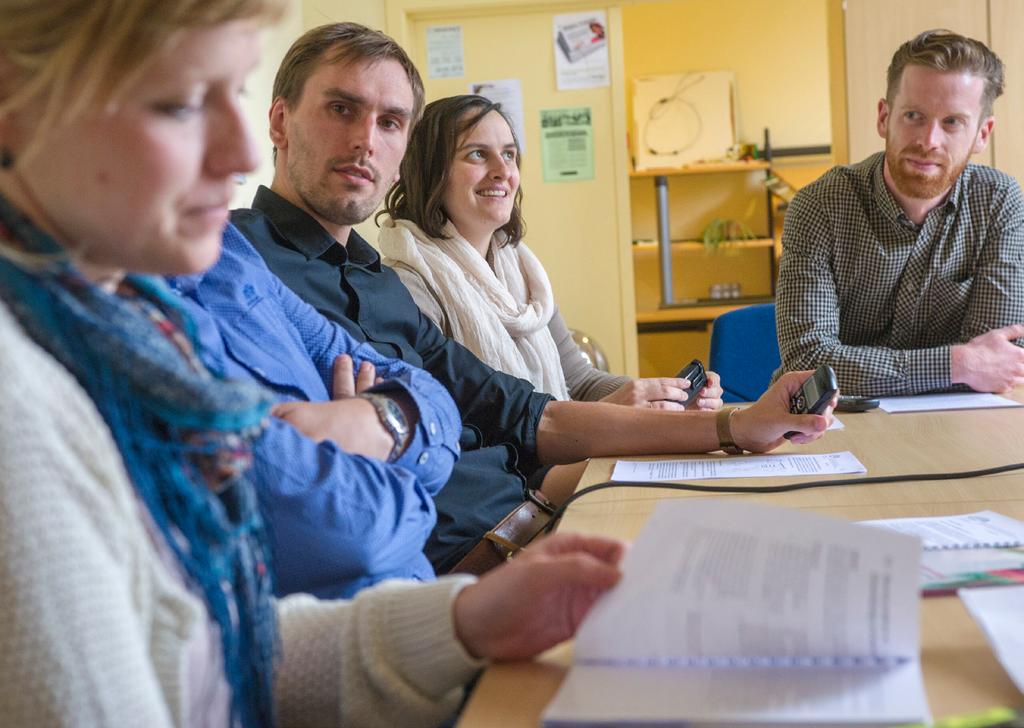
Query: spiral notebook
x=981, y=530
x=738, y=614
x=965, y=551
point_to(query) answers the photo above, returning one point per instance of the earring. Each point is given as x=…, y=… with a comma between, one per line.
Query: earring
x=6, y=158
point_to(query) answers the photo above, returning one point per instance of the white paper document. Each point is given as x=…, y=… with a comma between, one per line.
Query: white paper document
x=509, y=93
x=984, y=529
x=739, y=614
x=754, y=466
x=581, y=50
x=998, y=613
x=445, y=57
x=954, y=401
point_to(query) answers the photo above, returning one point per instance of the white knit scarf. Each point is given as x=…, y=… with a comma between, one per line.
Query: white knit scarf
x=501, y=315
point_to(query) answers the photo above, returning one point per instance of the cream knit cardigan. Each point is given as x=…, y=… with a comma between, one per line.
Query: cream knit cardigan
x=94, y=629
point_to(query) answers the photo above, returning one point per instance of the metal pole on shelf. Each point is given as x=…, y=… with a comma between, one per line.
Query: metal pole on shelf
x=773, y=268
x=664, y=240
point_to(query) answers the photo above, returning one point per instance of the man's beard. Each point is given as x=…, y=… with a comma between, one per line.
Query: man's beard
x=917, y=185
x=322, y=197
x=340, y=211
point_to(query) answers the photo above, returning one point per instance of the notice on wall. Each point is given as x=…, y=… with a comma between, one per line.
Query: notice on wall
x=567, y=144
x=581, y=50
x=444, y=51
x=509, y=93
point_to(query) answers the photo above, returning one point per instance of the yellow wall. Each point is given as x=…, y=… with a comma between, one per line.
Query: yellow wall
x=256, y=102
x=368, y=12
x=663, y=353
x=778, y=51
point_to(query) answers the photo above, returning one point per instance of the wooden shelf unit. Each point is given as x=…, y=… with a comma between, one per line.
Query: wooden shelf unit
x=735, y=244
x=665, y=244
x=704, y=168
x=664, y=318
x=694, y=270
x=670, y=308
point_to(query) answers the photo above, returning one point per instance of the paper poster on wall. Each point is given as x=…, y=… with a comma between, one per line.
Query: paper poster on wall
x=683, y=118
x=509, y=93
x=567, y=144
x=581, y=50
x=444, y=51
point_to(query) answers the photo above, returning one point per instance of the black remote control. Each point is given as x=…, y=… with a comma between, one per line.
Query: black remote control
x=814, y=394
x=694, y=371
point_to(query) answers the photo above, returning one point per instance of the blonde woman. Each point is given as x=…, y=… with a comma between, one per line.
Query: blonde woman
x=135, y=583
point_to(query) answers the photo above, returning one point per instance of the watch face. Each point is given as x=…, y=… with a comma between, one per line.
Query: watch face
x=395, y=416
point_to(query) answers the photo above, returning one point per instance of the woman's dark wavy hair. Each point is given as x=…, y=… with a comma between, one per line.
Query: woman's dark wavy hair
x=418, y=194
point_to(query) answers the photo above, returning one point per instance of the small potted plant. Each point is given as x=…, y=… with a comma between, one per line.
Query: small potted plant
x=724, y=230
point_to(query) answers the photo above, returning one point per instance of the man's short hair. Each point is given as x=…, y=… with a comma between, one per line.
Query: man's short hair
x=947, y=51
x=341, y=43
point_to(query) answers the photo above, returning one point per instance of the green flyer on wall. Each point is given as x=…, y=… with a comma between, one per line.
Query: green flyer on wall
x=567, y=144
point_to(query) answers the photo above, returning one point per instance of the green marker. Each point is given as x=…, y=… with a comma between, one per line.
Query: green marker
x=991, y=718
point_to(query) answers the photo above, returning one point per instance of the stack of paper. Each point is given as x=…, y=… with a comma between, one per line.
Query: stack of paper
x=984, y=529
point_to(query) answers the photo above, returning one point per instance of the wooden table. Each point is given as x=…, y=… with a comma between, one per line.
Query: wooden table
x=961, y=674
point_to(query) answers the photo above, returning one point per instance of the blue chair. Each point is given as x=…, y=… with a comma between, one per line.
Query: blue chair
x=745, y=351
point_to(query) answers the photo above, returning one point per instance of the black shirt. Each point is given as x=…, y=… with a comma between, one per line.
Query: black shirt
x=348, y=284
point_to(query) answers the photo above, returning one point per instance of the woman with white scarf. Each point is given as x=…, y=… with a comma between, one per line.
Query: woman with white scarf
x=453, y=232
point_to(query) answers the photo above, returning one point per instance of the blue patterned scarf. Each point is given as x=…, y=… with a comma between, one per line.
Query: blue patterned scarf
x=183, y=434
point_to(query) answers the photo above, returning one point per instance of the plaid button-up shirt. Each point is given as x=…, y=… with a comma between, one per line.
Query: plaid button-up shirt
x=882, y=300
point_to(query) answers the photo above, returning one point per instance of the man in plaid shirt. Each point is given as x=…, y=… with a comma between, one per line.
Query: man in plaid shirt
x=905, y=272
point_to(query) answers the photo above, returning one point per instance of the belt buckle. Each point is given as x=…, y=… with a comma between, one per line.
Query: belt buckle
x=538, y=499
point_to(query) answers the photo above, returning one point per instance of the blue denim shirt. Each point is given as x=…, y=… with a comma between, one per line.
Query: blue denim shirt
x=340, y=521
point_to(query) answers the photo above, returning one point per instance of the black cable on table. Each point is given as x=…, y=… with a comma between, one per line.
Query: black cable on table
x=560, y=511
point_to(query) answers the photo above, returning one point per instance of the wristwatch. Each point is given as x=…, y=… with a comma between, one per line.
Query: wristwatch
x=393, y=419
x=725, y=441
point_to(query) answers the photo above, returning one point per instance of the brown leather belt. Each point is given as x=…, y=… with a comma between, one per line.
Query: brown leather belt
x=512, y=533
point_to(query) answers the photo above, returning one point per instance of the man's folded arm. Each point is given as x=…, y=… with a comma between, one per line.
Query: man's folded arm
x=997, y=290
x=432, y=450
x=807, y=319
x=348, y=521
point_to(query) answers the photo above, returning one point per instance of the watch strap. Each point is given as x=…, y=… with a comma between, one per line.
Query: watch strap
x=725, y=440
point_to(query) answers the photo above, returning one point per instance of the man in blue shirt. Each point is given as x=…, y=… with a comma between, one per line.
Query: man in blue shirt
x=341, y=521
x=345, y=100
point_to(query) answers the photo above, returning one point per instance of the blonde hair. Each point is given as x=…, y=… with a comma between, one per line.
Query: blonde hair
x=65, y=58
